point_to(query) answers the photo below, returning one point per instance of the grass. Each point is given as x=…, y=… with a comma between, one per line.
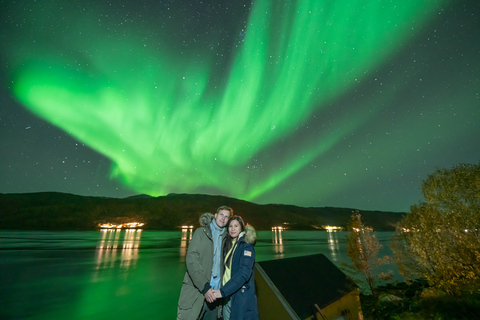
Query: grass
x=418, y=301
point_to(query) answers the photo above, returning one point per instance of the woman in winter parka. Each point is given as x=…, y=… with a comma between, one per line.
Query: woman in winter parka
x=238, y=279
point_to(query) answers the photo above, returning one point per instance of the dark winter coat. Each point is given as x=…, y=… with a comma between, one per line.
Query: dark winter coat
x=241, y=286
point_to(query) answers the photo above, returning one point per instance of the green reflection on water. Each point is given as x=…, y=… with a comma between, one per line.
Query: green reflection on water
x=120, y=274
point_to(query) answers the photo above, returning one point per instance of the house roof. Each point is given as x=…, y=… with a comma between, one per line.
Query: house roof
x=308, y=280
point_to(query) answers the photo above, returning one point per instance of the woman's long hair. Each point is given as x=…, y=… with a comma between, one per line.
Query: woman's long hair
x=227, y=245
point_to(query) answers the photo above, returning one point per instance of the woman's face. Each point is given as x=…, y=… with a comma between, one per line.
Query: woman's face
x=234, y=229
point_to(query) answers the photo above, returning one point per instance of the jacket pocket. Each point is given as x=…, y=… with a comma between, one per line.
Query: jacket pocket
x=188, y=296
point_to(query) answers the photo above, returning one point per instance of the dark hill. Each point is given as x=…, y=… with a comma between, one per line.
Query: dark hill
x=53, y=210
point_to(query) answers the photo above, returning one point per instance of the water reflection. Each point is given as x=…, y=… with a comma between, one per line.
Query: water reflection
x=277, y=240
x=187, y=232
x=333, y=245
x=130, y=248
x=117, y=241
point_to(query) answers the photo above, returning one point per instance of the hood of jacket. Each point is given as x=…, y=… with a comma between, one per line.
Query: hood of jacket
x=206, y=219
x=249, y=235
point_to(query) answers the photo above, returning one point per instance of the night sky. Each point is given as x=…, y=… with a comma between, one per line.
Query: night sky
x=311, y=103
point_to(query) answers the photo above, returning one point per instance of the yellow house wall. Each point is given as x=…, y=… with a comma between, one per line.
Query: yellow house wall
x=269, y=306
x=350, y=301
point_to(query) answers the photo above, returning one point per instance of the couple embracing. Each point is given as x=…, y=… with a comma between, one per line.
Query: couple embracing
x=219, y=282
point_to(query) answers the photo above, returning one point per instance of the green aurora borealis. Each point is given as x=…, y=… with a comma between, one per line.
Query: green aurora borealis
x=175, y=111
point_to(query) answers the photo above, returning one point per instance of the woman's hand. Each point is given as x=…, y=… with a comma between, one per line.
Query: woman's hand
x=217, y=293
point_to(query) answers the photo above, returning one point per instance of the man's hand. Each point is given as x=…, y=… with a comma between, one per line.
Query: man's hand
x=217, y=293
x=210, y=295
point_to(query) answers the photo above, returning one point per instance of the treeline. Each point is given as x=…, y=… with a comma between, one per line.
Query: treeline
x=52, y=210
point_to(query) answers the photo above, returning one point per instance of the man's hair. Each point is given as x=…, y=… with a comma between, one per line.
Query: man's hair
x=225, y=208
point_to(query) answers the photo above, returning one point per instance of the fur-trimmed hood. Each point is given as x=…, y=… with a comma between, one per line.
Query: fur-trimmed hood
x=206, y=219
x=249, y=235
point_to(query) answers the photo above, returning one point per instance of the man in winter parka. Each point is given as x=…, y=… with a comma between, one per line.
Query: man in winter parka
x=204, y=254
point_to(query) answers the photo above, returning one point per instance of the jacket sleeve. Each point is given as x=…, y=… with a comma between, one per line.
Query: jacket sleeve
x=194, y=267
x=244, y=272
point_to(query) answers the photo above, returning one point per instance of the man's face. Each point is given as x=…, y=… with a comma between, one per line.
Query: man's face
x=221, y=218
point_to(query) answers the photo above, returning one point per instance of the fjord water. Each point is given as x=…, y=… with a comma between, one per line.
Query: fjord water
x=128, y=274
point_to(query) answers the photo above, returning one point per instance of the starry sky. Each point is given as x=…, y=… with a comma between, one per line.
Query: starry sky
x=310, y=102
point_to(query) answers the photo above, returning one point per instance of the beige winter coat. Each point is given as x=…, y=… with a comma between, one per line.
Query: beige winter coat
x=199, y=270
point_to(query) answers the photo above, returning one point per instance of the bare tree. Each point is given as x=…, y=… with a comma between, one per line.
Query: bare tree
x=363, y=248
